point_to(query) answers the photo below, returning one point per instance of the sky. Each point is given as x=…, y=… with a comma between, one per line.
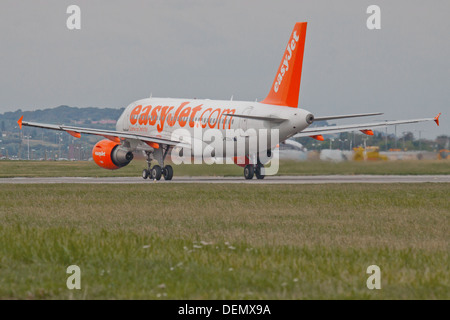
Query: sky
x=128, y=50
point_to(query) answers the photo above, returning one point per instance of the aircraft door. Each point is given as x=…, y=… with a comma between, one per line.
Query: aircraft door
x=243, y=122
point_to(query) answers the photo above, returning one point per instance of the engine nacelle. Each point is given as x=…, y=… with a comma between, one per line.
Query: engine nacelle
x=110, y=155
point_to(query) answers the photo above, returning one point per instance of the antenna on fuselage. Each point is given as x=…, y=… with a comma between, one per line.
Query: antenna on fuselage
x=231, y=99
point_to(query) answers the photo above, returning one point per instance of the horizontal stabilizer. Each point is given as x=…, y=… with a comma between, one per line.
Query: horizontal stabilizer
x=347, y=116
x=272, y=119
x=355, y=127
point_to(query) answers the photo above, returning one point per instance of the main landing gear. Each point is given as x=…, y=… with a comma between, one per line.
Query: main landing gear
x=156, y=172
x=251, y=170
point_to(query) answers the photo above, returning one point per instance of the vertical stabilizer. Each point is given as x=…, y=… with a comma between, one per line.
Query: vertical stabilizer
x=286, y=86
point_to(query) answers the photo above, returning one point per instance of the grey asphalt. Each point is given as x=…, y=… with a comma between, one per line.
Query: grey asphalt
x=268, y=180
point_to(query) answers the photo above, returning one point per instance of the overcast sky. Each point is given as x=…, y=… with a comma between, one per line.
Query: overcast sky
x=127, y=50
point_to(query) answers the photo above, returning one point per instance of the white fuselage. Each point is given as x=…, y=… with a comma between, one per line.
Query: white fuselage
x=170, y=118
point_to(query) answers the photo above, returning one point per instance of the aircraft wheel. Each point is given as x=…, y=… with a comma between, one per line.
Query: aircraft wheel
x=168, y=172
x=145, y=174
x=249, y=171
x=258, y=173
x=156, y=173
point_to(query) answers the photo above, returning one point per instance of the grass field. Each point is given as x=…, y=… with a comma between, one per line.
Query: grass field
x=161, y=241
x=90, y=169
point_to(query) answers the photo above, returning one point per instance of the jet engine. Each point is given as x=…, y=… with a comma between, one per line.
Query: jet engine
x=111, y=155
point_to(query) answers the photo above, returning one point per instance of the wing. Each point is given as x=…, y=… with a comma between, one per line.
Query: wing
x=365, y=127
x=116, y=136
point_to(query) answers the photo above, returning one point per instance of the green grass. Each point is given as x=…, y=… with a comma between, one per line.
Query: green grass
x=90, y=169
x=161, y=241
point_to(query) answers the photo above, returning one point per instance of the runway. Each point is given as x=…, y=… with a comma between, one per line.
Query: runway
x=240, y=180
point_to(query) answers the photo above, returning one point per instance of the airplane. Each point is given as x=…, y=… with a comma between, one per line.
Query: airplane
x=148, y=125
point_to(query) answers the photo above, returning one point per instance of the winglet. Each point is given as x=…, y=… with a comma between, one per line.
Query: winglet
x=436, y=119
x=21, y=118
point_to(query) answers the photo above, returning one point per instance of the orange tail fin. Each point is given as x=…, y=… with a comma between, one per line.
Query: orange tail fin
x=286, y=86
